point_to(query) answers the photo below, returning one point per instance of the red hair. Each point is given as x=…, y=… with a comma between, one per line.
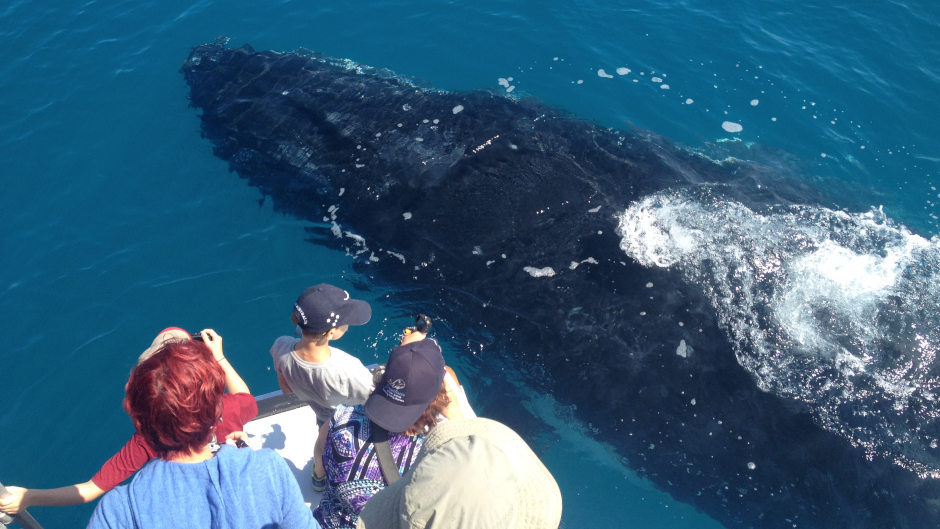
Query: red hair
x=175, y=397
x=429, y=417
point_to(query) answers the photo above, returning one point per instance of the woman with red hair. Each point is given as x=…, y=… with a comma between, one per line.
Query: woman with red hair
x=174, y=398
x=239, y=407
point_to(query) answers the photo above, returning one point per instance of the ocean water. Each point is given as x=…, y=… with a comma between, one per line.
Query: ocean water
x=118, y=221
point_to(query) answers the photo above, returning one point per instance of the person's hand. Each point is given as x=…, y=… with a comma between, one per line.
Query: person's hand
x=239, y=439
x=14, y=501
x=410, y=335
x=213, y=341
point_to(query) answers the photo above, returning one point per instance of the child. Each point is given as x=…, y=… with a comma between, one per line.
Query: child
x=319, y=374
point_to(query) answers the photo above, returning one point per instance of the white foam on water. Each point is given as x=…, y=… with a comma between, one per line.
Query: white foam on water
x=623, y=71
x=456, y=110
x=731, y=126
x=836, y=310
x=755, y=102
x=603, y=74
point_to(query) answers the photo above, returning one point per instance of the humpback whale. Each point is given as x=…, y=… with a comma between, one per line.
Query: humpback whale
x=506, y=217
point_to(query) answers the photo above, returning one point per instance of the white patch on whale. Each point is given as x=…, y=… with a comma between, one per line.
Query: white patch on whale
x=807, y=290
x=540, y=272
x=684, y=350
x=576, y=264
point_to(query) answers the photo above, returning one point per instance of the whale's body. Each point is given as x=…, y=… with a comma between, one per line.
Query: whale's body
x=504, y=214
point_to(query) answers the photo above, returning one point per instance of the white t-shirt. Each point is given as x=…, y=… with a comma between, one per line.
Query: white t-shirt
x=342, y=379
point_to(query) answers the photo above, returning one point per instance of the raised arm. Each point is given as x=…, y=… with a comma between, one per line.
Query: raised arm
x=19, y=498
x=119, y=467
x=233, y=381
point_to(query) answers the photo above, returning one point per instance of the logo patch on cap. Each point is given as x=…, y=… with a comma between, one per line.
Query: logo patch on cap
x=393, y=390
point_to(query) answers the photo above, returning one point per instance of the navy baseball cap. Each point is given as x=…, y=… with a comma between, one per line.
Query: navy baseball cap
x=323, y=307
x=413, y=377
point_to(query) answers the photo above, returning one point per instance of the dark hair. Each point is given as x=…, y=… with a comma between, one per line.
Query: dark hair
x=429, y=417
x=319, y=338
x=175, y=397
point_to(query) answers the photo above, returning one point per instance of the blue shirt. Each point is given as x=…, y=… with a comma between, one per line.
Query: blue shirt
x=236, y=489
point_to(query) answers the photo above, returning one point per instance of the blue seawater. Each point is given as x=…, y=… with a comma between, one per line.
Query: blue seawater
x=118, y=220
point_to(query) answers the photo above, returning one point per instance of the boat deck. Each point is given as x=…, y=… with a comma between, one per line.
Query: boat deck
x=289, y=427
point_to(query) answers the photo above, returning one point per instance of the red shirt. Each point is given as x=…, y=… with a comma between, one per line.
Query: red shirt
x=237, y=409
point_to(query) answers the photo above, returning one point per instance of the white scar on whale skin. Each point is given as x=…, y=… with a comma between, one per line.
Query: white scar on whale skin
x=485, y=144
x=575, y=264
x=540, y=272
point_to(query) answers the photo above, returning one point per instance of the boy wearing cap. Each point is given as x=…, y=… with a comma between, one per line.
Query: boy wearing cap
x=319, y=374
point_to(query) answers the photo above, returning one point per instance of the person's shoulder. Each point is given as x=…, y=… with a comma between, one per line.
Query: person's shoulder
x=283, y=345
x=116, y=496
x=237, y=398
x=113, y=509
x=284, y=342
x=247, y=460
x=238, y=408
x=338, y=355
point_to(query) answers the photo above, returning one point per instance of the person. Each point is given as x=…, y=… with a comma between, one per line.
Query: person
x=239, y=407
x=472, y=473
x=174, y=399
x=407, y=403
x=319, y=374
